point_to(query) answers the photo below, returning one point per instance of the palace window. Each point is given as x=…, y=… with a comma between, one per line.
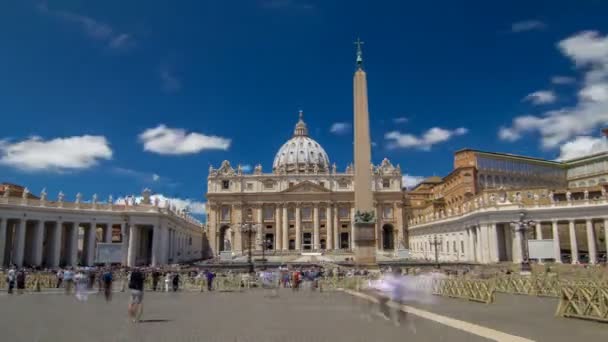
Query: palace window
x=322, y=184
x=291, y=214
x=386, y=183
x=454, y=246
x=387, y=212
x=225, y=214
x=225, y=184
x=343, y=212
x=268, y=185
x=268, y=213
x=249, y=186
x=306, y=213
x=268, y=227
x=462, y=246
x=322, y=212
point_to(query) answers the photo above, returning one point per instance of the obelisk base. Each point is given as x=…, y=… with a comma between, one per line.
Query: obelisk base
x=365, y=244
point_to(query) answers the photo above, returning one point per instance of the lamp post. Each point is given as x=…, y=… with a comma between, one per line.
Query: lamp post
x=265, y=244
x=520, y=229
x=248, y=228
x=435, y=242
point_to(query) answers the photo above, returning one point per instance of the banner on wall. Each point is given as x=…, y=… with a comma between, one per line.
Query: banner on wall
x=109, y=253
x=540, y=249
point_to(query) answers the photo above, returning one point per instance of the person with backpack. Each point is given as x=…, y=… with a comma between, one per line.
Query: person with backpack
x=107, y=279
x=136, y=285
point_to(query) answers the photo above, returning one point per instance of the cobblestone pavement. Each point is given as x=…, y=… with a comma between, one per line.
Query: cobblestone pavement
x=303, y=316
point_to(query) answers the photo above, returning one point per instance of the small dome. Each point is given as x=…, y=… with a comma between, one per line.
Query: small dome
x=301, y=153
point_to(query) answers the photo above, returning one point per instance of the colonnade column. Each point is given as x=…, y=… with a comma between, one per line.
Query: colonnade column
x=132, y=253
x=125, y=243
x=557, y=250
x=539, y=231
x=156, y=246
x=91, y=244
x=298, y=228
x=73, y=257
x=493, y=241
x=19, y=250
x=108, y=233
x=336, y=228
x=328, y=228
x=592, y=248
x=38, y=243
x=315, y=227
x=278, y=235
x=3, y=239
x=285, y=228
x=605, y=234
x=518, y=254
x=573, y=243
x=479, y=244
x=56, y=251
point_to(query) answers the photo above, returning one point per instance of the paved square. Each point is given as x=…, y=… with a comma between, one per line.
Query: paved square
x=250, y=316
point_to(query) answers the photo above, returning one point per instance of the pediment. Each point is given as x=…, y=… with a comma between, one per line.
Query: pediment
x=306, y=186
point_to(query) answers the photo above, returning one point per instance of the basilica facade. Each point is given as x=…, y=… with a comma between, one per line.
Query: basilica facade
x=303, y=204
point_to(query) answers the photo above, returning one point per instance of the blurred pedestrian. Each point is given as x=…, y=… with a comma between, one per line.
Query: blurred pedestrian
x=11, y=277
x=107, y=279
x=20, y=281
x=136, y=285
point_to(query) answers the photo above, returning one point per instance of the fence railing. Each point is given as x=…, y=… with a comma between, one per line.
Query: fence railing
x=588, y=302
x=478, y=290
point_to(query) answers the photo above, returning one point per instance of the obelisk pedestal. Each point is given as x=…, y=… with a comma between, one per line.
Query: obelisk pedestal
x=364, y=221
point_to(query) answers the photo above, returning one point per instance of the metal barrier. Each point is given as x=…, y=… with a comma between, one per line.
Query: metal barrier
x=478, y=290
x=542, y=286
x=588, y=302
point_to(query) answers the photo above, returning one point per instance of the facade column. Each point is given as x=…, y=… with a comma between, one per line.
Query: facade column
x=329, y=245
x=108, y=233
x=591, y=246
x=298, y=228
x=19, y=244
x=73, y=251
x=336, y=228
x=132, y=253
x=606, y=234
x=315, y=227
x=471, y=242
x=38, y=243
x=3, y=222
x=285, y=228
x=91, y=244
x=573, y=243
x=156, y=258
x=557, y=250
x=260, y=232
x=278, y=232
x=56, y=251
x=539, y=231
x=518, y=254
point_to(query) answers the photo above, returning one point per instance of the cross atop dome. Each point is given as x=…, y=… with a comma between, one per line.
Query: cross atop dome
x=359, y=53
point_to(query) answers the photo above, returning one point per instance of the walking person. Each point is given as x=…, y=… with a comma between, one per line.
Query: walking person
x=107, y=279
x=68, y=280
x=175, y=281
x=20, y=281
x=59, y=278
x=168, y=278
x=11, y=277
x=136, y=286
x=210, y=276
x=155, y=278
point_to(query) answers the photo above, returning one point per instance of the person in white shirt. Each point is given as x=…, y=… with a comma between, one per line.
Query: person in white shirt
x=168, y=278
x=68, y=279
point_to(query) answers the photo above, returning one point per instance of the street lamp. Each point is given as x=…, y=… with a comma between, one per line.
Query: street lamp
x=520, y=229
x=265, y=244
x=435, y=242
x=248, y=228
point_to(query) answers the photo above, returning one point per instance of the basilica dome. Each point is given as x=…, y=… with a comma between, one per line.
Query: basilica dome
x=301, y=153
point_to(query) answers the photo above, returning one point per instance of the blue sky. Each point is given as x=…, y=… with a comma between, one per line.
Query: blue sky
x=109, y=97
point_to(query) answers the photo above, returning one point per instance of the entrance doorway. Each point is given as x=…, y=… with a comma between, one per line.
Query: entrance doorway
x=388, y=237
x=269, y=241
x=344, y=240
x=222, y=238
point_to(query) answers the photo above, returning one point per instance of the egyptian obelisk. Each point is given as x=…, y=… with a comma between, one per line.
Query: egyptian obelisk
x=364, y=221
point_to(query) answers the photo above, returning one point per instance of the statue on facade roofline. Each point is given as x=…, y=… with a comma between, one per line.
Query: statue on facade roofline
x=568, y=195
x=60, y=196
x=110, y=200
x=333, y=168
x=43, y=194
x=552, y=196
x=156, y=201
x=586, y=194
x=78, y=197
x=26, y=191
x=94, y=200
x=7, y=191
x=258, y=169
x=603, y=192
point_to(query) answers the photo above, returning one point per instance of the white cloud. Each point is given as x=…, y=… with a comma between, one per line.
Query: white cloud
x=541, y=97
x=431, y=137
x=92, y=28
x=340, y=128
x=175, y=141
x=155, y=177
x=400, y=119
x=527, y=25
x=409, y=181
x=589, y=52
x=562, y=80
x=582, y=146
x=170, y=82
x=59, y=154
x=194, y=207
x=246, y=168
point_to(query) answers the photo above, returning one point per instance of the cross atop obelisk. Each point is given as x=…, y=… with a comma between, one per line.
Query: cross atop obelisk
x=364, y=221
